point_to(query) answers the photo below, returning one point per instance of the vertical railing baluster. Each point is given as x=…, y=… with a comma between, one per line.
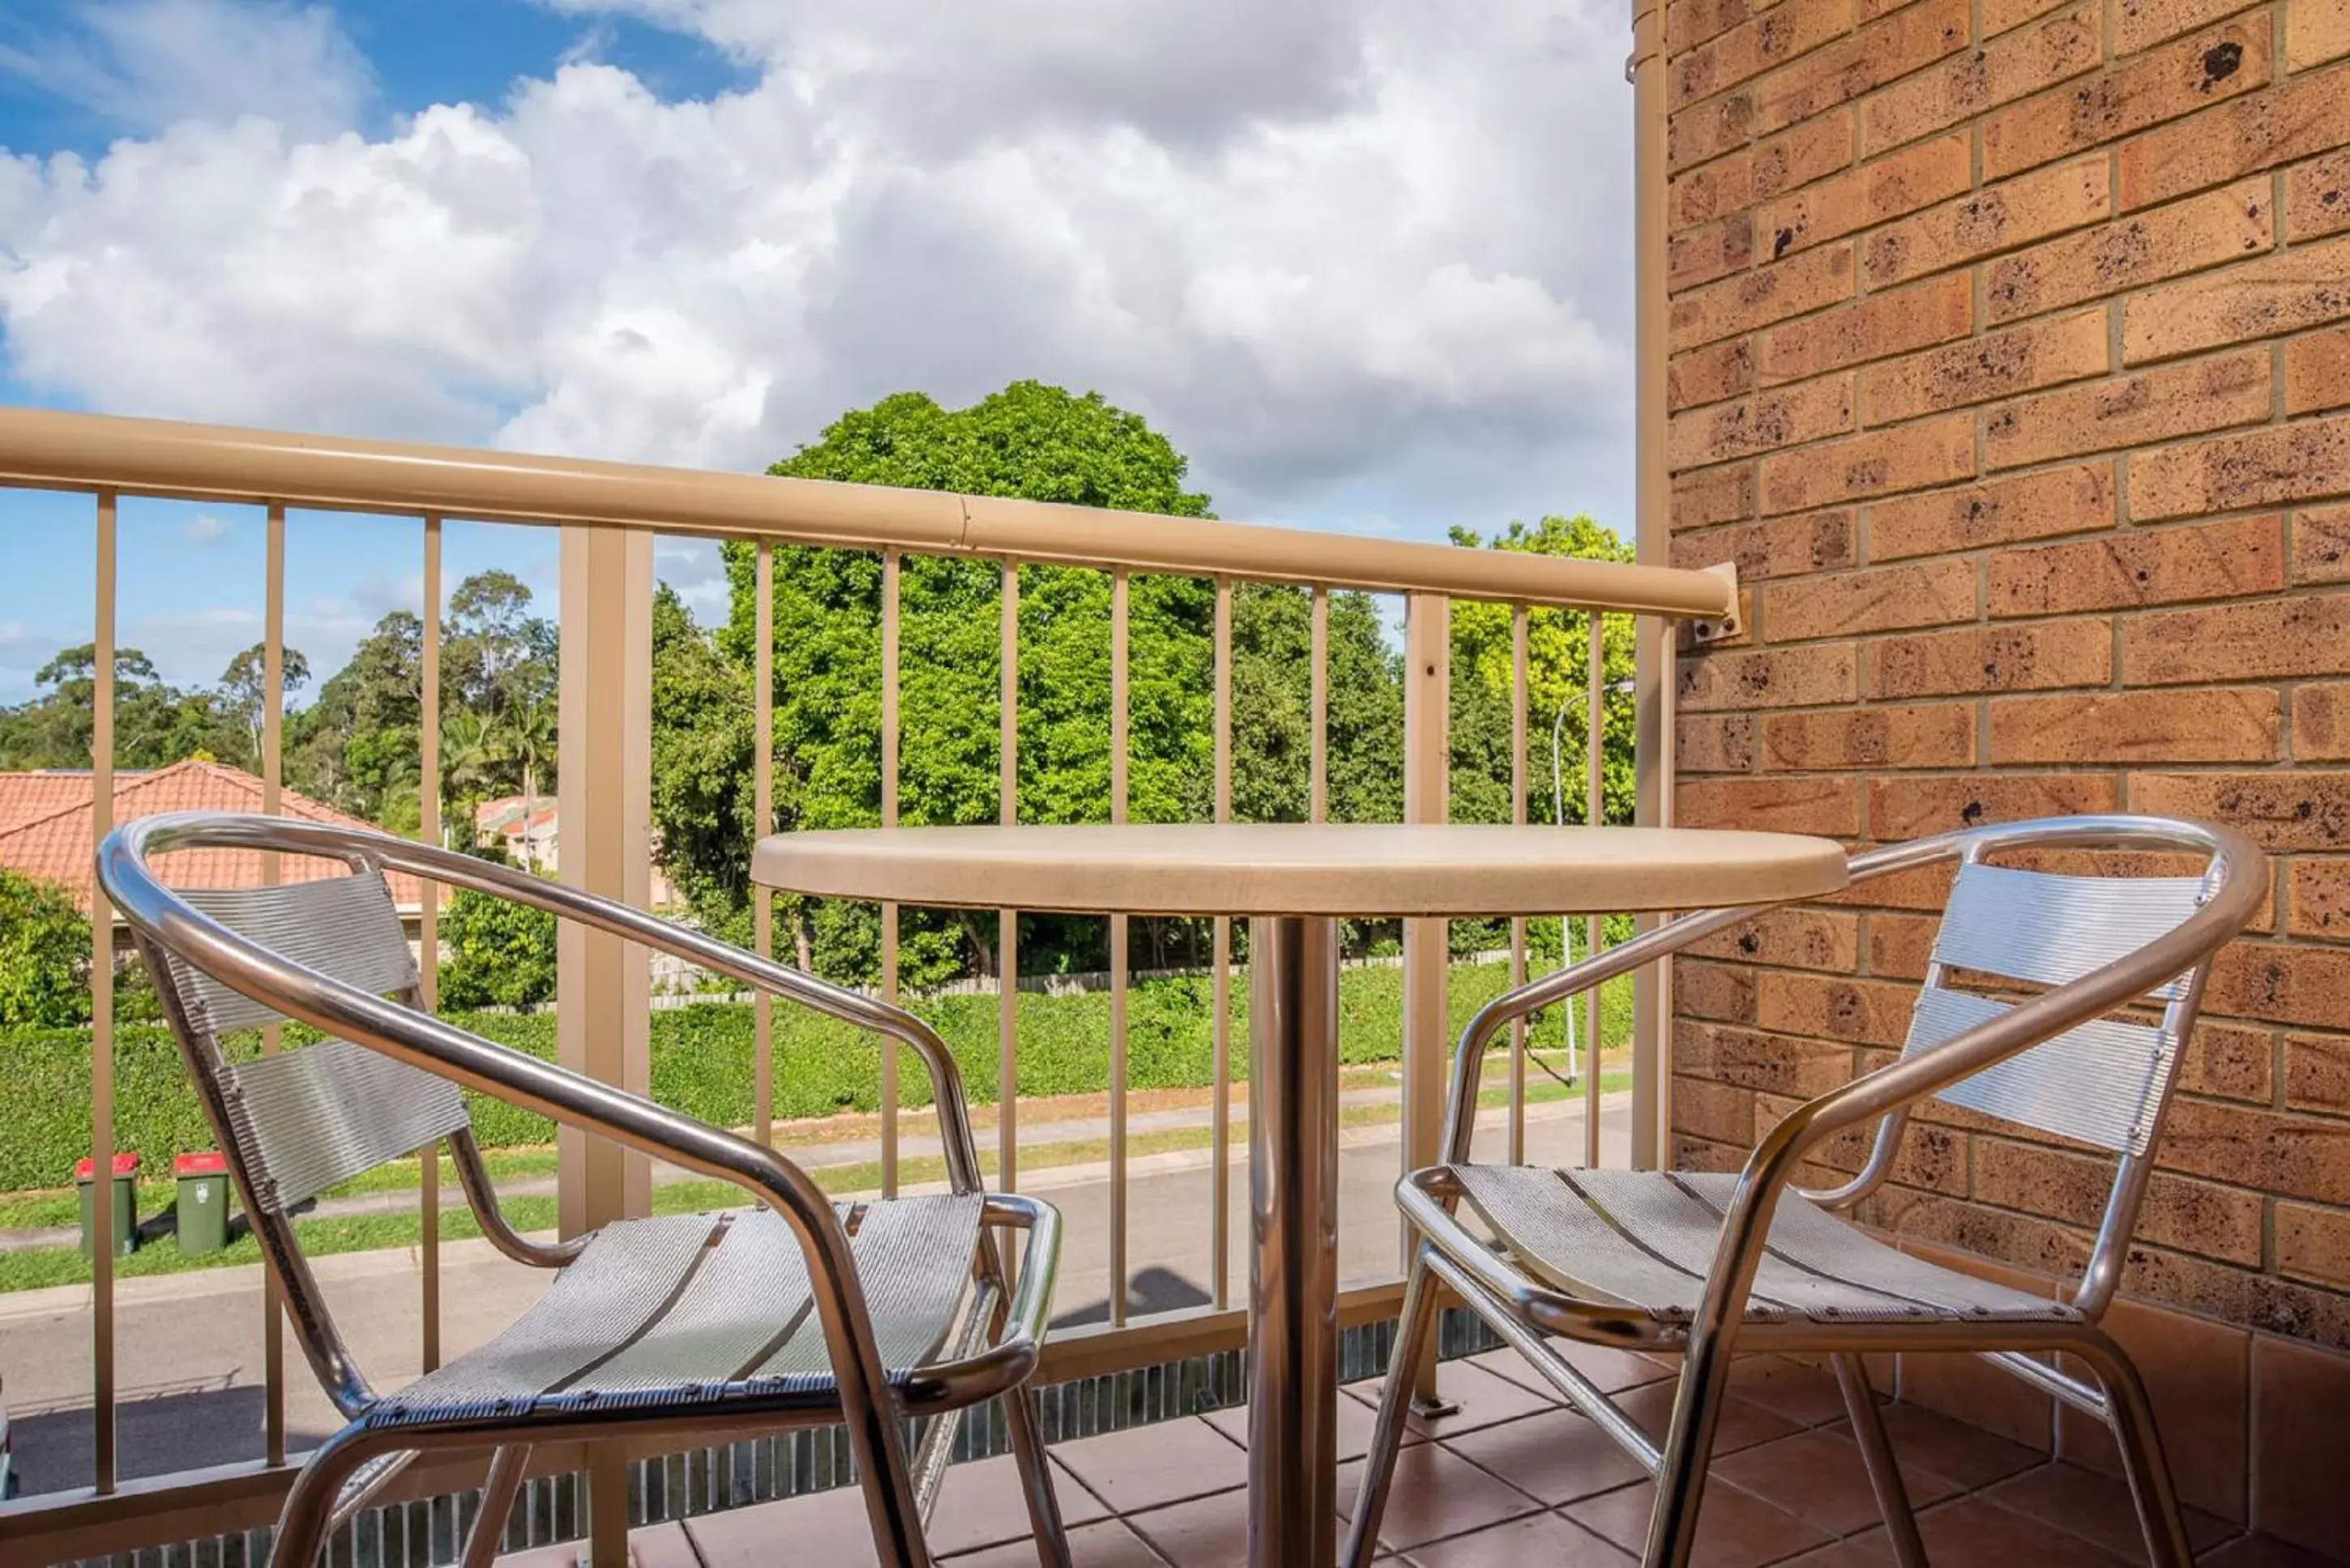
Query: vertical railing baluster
x=1426, y=792
x=1595, y=810
x=428, y=933
x=1317, y=710
x=1667, y=766
x=1519, y=697
x=889, y=819
x=762, y=822
x=273, y=723
x=101, y=1016
x=1220, y=1177
x=1118, y=784
x=1007, y=921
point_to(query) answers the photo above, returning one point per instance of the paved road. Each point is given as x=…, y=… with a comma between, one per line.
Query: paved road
x=190, y=1347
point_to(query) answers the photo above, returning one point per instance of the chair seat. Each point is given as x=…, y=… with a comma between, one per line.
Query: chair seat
x=700, y=1306
x=1646, y=1239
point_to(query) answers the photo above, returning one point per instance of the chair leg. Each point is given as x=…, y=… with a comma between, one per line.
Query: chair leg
x=2131, y=1415
x=1036, y=1480
x=1688, y=1450
x=1395, y=1404
x=1884, y=1469
x=499, y=1490
x=877, y=1447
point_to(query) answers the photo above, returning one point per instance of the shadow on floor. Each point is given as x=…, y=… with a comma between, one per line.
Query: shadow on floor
x=1152, y=1290
x=152, y=1436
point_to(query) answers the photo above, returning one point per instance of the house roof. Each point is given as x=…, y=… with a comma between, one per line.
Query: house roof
x=503, y=816
x=46, y=827
x=24, y=797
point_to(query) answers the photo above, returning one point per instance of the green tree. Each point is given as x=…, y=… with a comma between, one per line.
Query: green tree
x=701, y=768
x=155, y=724
x=355, y=746
x=501, y=953
x=244, y=692
x=1028, y=441
x=45, y=942
x=1558, y=648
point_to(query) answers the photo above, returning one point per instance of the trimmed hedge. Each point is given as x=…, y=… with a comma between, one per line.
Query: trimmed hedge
x=702, y=1062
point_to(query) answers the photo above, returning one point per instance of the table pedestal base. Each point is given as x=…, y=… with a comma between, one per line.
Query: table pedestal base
x=1293, y=1235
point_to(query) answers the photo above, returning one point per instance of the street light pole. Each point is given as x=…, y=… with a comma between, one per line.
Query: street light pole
x=1566, y=923
x=1558, y=815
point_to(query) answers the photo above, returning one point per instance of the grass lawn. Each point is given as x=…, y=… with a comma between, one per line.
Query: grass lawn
x=38, y=1267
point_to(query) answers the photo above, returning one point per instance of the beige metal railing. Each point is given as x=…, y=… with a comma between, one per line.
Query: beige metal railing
x=608, y=514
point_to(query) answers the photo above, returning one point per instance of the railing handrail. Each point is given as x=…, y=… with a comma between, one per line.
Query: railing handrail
x=48, y=448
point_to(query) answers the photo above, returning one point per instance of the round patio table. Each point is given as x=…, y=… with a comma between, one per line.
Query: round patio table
x=1294, y=881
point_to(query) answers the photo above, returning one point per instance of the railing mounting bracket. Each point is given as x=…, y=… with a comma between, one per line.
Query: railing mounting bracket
x=1706, y=629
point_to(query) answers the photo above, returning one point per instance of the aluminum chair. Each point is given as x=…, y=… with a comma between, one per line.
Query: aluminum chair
x=691, y=1328
x=1704, y=1265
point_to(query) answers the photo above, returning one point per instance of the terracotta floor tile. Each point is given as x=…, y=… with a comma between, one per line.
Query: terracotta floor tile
x=1973, y=1534
x=1356, y=1420
x=563, y=1554
x=1970, y=1389
x=2095, y=1508
x=1734, y=1529
x=1436, y=1494
x=1807, y=1395
x=1743, y=1423
x=1612, y=1370
x=661, y=1546
x=1555, y=1456
x=1967, y=1454
x=1819, y=1477
x=827, y=1527
x=981, y=1505
x=1105, y=1543
x=2262, y=1552
x=1483, y=1398
x=1544, y=1538
x=1206, y=1533
x=1143, y=1467
x=1868, y=1550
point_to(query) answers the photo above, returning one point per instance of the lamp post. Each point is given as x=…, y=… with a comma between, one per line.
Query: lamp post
x=1558, y=817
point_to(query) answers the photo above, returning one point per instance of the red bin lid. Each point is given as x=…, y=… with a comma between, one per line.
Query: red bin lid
x=208, y=1162
x=125, y=1164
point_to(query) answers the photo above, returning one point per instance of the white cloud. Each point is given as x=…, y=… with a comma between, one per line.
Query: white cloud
x=205, y=528
x=191, y=646
x=1370, y=247
x=150, y=63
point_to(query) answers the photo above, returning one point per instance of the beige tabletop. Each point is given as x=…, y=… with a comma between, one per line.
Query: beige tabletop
x=1293, y=868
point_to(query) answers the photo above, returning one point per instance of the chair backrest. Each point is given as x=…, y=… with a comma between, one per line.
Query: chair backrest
x=306, y=1119
x=2105, y=1083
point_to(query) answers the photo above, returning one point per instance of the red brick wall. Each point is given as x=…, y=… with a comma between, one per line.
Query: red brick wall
x=2011, y=362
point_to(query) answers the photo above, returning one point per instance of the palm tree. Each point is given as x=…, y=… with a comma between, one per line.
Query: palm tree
x=471, y=752
x=528, y=733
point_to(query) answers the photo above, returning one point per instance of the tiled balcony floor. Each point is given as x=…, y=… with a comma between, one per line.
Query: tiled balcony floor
x=1513, y=1479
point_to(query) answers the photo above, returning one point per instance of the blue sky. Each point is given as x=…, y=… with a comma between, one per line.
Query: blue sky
x=189, y=576
x=1366, y=265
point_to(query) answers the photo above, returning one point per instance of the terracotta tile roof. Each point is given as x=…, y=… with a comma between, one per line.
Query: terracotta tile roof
x=24, y=797
x=56, y=845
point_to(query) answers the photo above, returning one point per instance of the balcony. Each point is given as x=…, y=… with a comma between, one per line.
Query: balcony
x=1150, y=1329
x=1994, y=398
